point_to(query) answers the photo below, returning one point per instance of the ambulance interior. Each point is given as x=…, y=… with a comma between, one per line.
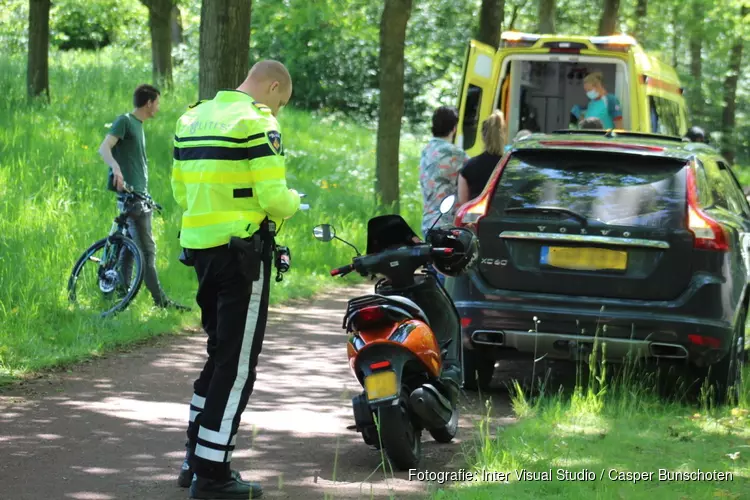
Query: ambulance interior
x=542, y=93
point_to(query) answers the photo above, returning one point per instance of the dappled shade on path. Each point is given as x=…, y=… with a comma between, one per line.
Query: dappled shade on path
x=114, y=428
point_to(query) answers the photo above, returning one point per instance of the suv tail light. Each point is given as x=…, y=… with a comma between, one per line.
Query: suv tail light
x=471, y=212
x=709, y=235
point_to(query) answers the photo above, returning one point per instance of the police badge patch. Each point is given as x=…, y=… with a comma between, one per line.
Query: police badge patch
x=275, y=139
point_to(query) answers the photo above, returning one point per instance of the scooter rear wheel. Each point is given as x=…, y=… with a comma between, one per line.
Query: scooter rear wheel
x=448, y=432
x=402, y=441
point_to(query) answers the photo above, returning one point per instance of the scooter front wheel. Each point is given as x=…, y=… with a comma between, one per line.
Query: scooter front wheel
x=401, y=440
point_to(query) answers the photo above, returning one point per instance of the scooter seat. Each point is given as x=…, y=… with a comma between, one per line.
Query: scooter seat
x=409, y=305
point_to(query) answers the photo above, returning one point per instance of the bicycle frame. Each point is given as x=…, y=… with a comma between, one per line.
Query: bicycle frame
x=120, y=227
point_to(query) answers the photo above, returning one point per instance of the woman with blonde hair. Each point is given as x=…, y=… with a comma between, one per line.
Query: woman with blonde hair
x=474, y=176
x=602, y=105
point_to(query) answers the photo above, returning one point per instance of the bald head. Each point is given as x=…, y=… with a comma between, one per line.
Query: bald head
x=269, y=83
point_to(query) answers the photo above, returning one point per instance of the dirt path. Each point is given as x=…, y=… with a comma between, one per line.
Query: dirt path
x=115, y=428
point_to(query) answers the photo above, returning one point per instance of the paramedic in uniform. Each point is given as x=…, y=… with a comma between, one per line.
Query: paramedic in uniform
x=229, y=177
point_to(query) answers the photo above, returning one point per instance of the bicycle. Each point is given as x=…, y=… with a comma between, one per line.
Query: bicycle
x=108, y=272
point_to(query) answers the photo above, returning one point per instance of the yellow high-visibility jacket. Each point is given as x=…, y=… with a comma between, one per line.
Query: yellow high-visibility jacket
x=228, y=173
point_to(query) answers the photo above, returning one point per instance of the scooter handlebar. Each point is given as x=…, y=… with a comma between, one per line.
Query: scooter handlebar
x=343, y=270
x=367, y=262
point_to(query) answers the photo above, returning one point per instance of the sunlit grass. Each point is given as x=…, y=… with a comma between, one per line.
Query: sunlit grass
x=53, y=203
x=610, y=439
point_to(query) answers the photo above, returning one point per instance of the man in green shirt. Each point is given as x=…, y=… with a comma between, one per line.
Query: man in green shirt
x=124, y=150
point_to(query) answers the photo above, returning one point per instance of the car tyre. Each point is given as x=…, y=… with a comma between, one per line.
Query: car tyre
x=726, y=375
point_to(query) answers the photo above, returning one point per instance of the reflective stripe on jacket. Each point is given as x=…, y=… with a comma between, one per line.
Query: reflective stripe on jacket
x=228, y=173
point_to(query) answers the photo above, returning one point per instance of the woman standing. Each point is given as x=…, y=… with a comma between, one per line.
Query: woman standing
x=474, y=176
x=602, y=105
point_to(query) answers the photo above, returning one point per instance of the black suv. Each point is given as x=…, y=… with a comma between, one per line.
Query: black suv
x=639, y=239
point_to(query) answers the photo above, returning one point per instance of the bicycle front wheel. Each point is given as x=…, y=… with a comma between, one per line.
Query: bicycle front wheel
x=107, y=276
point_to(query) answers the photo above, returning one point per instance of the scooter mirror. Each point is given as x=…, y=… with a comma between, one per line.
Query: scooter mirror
x=447, y=204
x=324, y=232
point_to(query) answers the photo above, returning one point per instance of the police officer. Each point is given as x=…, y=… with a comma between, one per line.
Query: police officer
x=229, y=177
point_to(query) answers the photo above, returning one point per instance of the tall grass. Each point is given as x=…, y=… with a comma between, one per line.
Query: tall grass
x=53, y=202
x=611, y=437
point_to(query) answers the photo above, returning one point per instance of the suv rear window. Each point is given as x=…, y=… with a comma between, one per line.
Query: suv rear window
x=617, y=189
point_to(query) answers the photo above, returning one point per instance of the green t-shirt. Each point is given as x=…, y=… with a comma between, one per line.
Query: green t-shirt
x=130, y=151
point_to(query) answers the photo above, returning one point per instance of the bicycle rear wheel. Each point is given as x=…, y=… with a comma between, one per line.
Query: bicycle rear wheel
x=98, y=281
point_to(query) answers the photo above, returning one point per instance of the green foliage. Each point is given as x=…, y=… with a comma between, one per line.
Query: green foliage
x=53, y=203
x=14, y=26
x=94, y=24
x=333, y=71
x=331, y=47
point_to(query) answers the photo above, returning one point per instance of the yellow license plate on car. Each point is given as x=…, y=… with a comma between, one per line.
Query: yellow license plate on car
x=584, y=259
x=381, y=385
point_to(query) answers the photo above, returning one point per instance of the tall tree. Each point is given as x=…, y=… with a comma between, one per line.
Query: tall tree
x=491, y=22
x=698, y=14
x=729, y=117
x=608, y=21
x=641, y=19
x=159, y=23
x=392, y=44
x=37, y=69
x=547, y=14
x=176, y=25
x=224, y=47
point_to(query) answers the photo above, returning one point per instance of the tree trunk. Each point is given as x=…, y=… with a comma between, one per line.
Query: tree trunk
x=392, y=42
x=730, y=94
x=641, y=20
x=608, y=21
x=547, y=16
x=514, y=17
x=37, y=70
x=176, y=25
x=224, y=45
x=676, y=38
x=159, y=19
x=696, y=62
x=491, y=22
x=696, y=72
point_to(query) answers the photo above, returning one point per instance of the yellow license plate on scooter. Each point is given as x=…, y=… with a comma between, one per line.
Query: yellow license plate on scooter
x=381, y=385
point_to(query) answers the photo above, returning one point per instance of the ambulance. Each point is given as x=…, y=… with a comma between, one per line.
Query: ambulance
x=537, y=81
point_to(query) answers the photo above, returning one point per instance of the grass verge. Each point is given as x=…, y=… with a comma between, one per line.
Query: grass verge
x=53, y=204
x=613, y=438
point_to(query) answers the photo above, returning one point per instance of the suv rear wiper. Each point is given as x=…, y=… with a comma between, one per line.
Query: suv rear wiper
x=566, y=211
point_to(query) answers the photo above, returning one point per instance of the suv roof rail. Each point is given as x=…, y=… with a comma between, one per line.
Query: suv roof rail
x=618, y=133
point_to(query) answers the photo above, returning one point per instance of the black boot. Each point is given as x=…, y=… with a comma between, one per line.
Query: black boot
x=224, y=489
x=185, y=479
x=451, y=370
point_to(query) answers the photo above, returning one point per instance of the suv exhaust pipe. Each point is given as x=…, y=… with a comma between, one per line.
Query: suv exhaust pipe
x=488, y=337
x=668, y=351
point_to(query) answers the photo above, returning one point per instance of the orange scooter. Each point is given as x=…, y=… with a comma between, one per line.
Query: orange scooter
x=400, y=337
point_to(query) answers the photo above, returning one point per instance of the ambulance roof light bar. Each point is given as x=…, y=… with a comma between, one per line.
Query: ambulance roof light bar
x=516, y=36
x=613, y=40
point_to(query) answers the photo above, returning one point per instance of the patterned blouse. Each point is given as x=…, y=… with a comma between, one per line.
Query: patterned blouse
x=438, y=178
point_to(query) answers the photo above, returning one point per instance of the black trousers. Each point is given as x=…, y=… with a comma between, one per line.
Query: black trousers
x=234, y=311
